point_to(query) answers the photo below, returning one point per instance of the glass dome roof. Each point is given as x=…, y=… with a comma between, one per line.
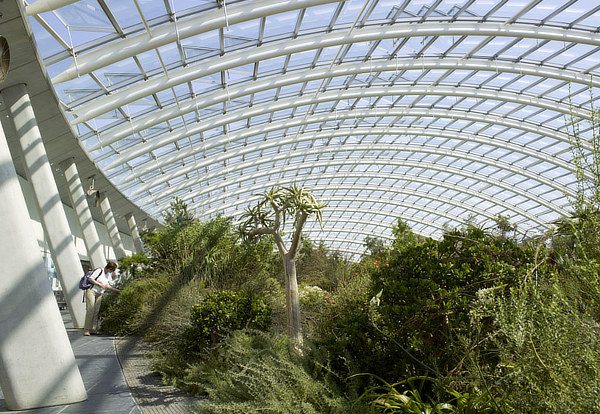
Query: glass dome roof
x=436, y=112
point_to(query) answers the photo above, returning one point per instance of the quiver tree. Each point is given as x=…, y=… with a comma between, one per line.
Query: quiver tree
x=270, y=215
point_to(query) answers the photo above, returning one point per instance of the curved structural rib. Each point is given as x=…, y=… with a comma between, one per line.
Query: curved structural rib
x=132, y=126
x=382, y=108
x=232, y=60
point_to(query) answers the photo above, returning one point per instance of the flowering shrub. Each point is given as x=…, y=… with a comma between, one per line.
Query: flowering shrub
x=312, y=298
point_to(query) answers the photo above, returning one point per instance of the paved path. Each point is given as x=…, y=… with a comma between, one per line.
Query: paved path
x=117, y=376
x=102, y=376
x=151, y=396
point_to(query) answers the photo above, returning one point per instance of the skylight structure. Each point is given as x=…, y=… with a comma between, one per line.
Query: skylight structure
x=435, y=112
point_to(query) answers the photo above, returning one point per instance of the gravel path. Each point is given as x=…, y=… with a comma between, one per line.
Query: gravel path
x=146, y=387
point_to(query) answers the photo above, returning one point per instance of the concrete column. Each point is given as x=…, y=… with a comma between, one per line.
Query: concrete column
x=84, y=216
x=37, y=365
x=49, y=205
x=111, y=227
x=135, y=234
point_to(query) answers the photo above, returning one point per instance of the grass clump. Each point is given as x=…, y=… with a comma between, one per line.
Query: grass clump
x=252, y=371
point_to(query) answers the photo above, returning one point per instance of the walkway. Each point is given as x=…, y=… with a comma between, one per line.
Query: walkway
x=117, y=377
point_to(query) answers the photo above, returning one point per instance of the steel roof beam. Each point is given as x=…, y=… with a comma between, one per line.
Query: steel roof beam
x=388, y=201
x=187, y=27
x=135, y=126
x=415, y=148
x=235, y=59
x=212, y=123
x=387, y=162
x=192, y=167
x=273, y=142
x=208, y=99
x=41, y=6
x=415, y=205
x=412, y=178
x=362, y=210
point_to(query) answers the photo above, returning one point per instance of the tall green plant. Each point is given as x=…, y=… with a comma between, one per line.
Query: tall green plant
x=426, y=295
x=178, y=215
x=269, y=217
x=546, y=329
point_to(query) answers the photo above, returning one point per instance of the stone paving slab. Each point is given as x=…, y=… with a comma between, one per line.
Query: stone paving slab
x=118, y=378
x=102, y=377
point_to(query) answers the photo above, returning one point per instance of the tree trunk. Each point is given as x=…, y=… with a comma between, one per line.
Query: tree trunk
x=292, y=299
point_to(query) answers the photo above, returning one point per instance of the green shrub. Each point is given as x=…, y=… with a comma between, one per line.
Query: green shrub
x=316, y=265
x=345, y=336
x=407, y=397
x=220, y=313
x=213, y=252
x=157, y=307
x=134, y=266
x=548, y=349
x=427, y=292
x=123, y=314
x=252, y=371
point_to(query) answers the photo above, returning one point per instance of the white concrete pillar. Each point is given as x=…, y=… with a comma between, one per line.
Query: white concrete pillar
x=135, y=234
x=111, y=227
x=83, y=214
x=49, y=205
x=37, y=365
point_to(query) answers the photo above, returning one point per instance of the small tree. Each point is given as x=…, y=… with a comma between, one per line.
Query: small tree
x=178, y=215
x=269, y=216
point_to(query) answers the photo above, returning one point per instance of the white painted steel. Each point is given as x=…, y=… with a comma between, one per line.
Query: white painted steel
x=234, y=59
x=315, y=136
x=175, y=136
x=164, y=35
x=372, y=92
x=42, y=6
x=424, y=165
x=412, y=178
x=272, y=82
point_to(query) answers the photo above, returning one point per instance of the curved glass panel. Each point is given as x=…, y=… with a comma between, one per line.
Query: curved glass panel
x=438, y=113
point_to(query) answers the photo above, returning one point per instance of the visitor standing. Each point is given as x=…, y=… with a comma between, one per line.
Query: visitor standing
x=93, y=296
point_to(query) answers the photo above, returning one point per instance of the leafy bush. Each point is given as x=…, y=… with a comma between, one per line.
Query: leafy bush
x=157, y=307
x=213, y=252
x=317, y=266
x=133, y=266
x=252, y=371
x=122, y=314
x=345, y=337
x=426, y=296
x=220, y=313
x=407, y=397
x=547, y=344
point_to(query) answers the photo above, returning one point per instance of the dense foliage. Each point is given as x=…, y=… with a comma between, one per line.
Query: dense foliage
x=259, y=372
x=427, y=292
x=473, y=323
x=221, y=313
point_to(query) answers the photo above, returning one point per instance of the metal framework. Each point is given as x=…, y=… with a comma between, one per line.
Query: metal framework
x=430, y=112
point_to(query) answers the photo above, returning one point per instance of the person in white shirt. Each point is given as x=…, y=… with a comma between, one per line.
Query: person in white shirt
x=93, y=296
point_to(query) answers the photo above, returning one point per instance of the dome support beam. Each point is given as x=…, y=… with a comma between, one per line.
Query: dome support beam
x=235, y=59
x=233, y=92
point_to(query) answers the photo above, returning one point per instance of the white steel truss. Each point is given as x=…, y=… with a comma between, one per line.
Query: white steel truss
x=425, y=112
